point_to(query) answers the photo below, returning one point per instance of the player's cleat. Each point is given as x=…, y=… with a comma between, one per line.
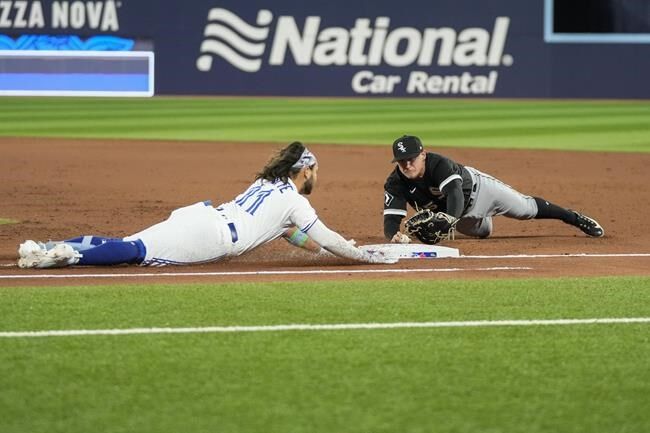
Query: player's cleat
x=30, y=247
x=588, y=225
x=36, y=255
x=31, y=253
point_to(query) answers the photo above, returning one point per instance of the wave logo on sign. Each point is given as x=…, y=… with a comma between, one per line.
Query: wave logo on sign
x=239, y=43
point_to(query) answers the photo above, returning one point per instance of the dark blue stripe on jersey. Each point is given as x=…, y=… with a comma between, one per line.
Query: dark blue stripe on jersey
x=306, y=229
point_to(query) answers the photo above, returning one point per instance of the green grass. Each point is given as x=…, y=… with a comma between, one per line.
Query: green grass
x=7, y=221
x=508, y=379
x=574, y=125
x=591, y=378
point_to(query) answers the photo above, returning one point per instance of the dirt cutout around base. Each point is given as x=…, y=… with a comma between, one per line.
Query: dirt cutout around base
x=60, y=189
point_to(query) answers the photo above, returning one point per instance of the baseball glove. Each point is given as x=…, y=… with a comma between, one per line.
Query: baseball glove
x=431, y=227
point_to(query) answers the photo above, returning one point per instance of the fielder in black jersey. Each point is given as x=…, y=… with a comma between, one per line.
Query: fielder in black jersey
x=427, y=180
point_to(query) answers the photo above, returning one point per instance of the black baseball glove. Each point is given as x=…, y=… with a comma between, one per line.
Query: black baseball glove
x=431, y=227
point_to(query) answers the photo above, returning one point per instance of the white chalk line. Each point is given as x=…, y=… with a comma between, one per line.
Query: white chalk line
x=321, y=327
x=256, y=273
x=547, y=256
x=327, y=271
x=503, y=256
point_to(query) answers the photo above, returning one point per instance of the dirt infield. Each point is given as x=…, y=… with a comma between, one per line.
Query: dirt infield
x=64, y=188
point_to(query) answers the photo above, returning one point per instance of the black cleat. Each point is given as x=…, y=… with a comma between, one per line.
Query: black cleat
x=588, y=225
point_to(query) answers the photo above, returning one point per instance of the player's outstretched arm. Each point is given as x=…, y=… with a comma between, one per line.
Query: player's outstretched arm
x=337, y=245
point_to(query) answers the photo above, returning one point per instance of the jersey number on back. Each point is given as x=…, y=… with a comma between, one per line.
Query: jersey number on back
x=252, y=199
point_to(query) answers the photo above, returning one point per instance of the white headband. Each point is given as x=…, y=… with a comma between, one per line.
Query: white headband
x=307, y=159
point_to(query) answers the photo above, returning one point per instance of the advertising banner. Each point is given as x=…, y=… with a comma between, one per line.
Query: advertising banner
x=378, y=48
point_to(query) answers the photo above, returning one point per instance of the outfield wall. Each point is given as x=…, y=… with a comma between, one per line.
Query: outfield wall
x=412, y=48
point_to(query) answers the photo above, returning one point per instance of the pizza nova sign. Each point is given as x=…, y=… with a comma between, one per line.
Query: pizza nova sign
x=369, y=43
x=95, y=15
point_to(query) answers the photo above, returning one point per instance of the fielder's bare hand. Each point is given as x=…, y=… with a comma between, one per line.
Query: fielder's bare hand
x=400, y=238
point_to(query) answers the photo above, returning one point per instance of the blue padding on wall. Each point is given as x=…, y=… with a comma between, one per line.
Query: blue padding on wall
x=75, y=82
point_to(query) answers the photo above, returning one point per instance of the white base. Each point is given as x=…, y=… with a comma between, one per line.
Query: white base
x=413, y=251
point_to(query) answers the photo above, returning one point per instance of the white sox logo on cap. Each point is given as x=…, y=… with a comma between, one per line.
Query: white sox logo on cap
x=401, y=147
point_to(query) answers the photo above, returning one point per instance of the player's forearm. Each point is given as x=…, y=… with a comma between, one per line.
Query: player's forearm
x=335, y=243
x=299, y=239
x=455, y=198
x=391, y=225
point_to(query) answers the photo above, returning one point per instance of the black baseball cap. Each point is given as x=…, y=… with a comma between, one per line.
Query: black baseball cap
x=406, y=147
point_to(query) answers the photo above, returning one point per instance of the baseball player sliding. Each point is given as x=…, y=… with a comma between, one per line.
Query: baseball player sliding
x=449, y=196
x=274, y=205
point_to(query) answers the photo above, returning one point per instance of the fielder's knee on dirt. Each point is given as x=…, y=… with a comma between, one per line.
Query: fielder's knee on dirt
x=478, y=227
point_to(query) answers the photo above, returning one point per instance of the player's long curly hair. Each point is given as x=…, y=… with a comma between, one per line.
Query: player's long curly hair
x=279, y=167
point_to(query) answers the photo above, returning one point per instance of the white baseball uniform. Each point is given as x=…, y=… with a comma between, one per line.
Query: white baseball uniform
x=201, y=233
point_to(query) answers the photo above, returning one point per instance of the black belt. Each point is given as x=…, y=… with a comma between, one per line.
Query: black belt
x=233, y=232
